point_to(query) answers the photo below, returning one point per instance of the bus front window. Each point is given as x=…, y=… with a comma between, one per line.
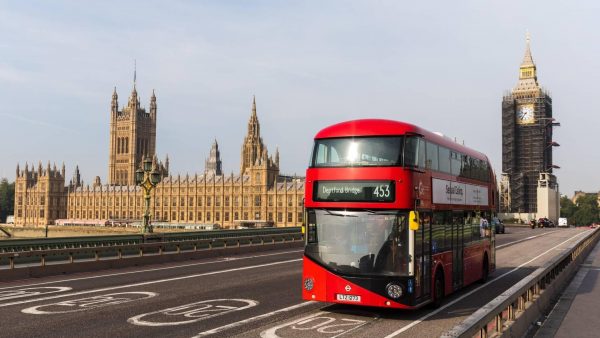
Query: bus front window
x=359, y=242
x=381, y=151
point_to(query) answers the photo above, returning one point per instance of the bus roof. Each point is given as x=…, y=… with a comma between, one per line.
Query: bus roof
x=382, y=127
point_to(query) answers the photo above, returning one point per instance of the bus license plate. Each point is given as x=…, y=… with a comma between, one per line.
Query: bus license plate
x=347, y=298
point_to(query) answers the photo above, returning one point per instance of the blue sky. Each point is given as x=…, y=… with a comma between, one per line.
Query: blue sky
x=442, y=65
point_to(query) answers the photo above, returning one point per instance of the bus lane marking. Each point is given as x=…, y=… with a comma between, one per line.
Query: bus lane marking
x=29, y=292
x=192, y=313
x=320, y=324
x=84, y=304
x=158, y=281
x=445, y=306
x=252, y=319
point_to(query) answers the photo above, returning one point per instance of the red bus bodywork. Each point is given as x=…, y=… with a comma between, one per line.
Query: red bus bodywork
x=413, y=191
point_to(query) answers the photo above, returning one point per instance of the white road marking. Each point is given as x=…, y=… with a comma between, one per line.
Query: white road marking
x=252, y=319
x=197, y=311
x=524, y=239
x=28, y=292
x=151, y=282
x=323, y=327
x=418, y=321
x=84, y=304
x=149, y=270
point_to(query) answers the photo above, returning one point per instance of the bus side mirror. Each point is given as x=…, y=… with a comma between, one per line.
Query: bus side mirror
x=413, y=220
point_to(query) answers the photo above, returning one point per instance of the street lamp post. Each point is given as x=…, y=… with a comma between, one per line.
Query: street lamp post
x=147, y=179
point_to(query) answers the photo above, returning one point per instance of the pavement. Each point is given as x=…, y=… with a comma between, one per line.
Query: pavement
x=577, y=312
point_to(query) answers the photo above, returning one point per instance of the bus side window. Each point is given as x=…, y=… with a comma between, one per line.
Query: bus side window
x=432, y=156
x=411, y=146
x=475, y=227
x=467, y=229
x=438, y=232
x=421, y=157
x=444, y=159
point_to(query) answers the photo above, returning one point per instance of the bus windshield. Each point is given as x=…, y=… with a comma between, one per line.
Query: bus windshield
x=357, y=152
x=359, y=242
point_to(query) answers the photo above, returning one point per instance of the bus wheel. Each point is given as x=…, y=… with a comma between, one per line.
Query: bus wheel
x=438, y=289
x=485, y=271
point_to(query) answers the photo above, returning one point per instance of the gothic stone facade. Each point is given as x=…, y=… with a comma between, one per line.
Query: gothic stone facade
x=258, y=194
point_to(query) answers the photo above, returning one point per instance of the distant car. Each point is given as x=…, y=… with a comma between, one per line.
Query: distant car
x=545, y=223
x=498, y=225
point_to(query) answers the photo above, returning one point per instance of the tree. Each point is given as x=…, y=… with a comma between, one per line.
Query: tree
x=586, y=210
x=567, y=207
x=7, y=199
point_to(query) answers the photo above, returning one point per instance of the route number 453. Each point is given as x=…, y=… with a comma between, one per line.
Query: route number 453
x=382, y=191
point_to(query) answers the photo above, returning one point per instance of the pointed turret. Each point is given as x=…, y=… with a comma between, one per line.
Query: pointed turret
x=153, y=105
x=528, y=84
x=62, y=170
x=213, y=164
x=76, y=180
x=114, y=105
x=527, y=59
x=18, y=170
x=252, y=149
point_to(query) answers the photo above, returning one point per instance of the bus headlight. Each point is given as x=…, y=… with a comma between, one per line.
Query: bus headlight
x=394, y=290
x=309, y=283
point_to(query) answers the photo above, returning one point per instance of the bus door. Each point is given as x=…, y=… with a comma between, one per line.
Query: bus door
x=423, y=257
x=457, y=249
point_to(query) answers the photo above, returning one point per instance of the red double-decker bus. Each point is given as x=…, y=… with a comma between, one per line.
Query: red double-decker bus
x=396, y=216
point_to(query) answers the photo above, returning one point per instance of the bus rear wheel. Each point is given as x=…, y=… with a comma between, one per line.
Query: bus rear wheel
x=438, y=289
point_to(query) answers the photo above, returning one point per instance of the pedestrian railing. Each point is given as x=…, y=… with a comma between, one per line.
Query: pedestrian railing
x=511, y=313
x=20, y=245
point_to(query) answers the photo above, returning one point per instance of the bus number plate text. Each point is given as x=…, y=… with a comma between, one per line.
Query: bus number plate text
x=347, y=298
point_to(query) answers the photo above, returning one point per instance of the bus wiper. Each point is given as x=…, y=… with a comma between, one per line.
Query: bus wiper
x=335, y=214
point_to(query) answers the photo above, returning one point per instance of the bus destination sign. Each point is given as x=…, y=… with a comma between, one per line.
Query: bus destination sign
x=354, y=191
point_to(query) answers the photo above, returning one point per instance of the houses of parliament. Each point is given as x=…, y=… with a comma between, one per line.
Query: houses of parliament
x=257, y=196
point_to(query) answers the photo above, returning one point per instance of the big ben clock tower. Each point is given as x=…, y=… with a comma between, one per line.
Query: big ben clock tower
x=526, y=143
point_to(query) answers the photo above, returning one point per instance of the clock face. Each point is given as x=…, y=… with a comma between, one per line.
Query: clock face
x=525, y=114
